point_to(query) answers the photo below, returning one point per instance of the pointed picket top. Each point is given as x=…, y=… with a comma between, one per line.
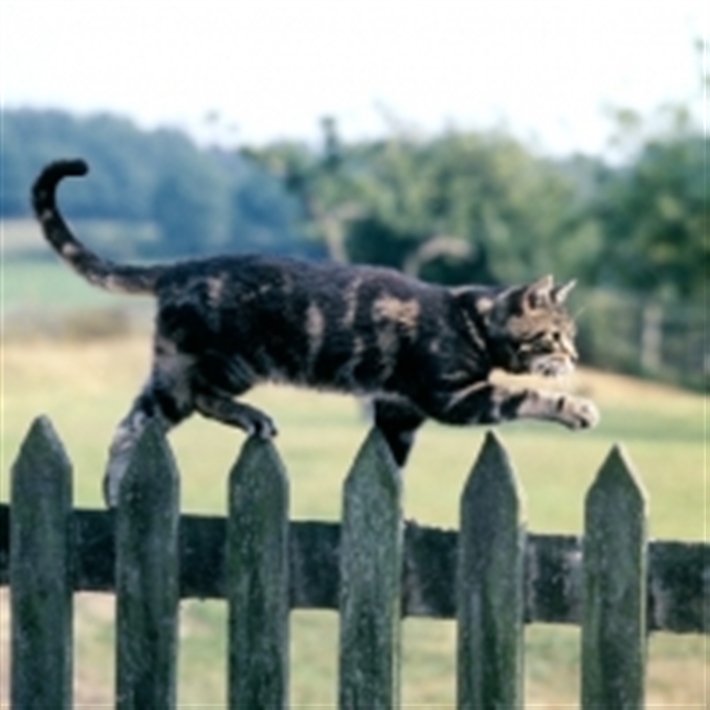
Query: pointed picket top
x=370, y=578
x=617, y=485
x=258, y=463
x=490, y=574
x=41, y=452
x=41, y=571
x=493, y=477
x=374, y=461
x=614, y=582
x=372, y=490
x=147, y=575
x=258, y=488
x=42, y=474
x=257, y=578
x=151, y=470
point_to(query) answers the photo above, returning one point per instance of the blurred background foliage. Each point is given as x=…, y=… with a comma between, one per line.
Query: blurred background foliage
x=459, y=207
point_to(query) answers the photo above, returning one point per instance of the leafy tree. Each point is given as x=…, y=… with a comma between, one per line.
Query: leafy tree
x=264, y=218
x=654, y=206
x=321, y=182
x=481, y=199
x=462, y=206
x=656, y=214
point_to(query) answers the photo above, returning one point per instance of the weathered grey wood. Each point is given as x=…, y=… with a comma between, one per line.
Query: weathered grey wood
x=678, y=572
x=257, y=579
x=428, y=580
x=147, y=574
x=614, y=601
x=370, y=579
x=678, y=595
x=490, y=592
x=263, y=564
x=553, y=578
x=40, y=573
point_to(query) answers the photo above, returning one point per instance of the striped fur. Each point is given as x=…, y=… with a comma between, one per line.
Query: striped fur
x=418, y=350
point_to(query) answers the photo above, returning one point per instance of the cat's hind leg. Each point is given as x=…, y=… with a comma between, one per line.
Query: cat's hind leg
x=238, y=414
x=152, y=404
x=217, y=380
x=167, y=399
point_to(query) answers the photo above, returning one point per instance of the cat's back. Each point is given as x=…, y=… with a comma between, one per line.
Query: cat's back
x=316, y=323
x=265, y=281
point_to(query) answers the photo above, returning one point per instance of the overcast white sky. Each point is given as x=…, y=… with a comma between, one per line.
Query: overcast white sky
x=272, y=68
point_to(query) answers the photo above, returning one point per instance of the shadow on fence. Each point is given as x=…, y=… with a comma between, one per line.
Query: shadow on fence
x=373, y=567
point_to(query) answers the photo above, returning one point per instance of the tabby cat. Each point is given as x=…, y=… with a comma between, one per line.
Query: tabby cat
x=418, y=350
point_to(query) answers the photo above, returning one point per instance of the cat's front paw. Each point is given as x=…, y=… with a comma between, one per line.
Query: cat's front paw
x=578, y=413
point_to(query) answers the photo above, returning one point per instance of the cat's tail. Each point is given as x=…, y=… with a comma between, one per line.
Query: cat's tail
x=98, y=271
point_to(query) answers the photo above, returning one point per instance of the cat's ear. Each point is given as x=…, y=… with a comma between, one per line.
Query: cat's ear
x=537, y=294
x=560, y=293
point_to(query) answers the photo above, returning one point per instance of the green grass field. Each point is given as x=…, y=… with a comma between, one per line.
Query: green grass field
x=85, y=388
x=22, y=238
x=33, y=280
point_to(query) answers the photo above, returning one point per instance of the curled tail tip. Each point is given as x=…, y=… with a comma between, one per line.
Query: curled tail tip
x=74, y=166
x=52, y=173
x=66, y=167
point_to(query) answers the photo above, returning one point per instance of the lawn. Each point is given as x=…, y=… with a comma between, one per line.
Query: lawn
x=85, y=388
x=33, y=279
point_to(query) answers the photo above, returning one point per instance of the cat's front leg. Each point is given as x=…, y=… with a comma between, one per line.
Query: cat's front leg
x=486, y=403
x=573, y=412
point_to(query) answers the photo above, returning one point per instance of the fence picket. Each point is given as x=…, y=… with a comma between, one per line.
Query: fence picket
x=490, y=597
x=370, y=579
x=489, y=573
x=614, y=599
x=40, y=572
x=147, y=577
x=257, y=579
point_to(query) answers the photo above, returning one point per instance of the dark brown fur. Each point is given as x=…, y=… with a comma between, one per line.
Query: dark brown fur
x=418, y=350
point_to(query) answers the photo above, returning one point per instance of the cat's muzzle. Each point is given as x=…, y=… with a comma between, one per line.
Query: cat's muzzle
x=552, y=366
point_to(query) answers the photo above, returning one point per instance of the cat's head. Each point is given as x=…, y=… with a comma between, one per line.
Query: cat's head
x=530, y=331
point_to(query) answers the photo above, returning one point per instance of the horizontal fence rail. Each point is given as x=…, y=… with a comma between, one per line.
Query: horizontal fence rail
x=492, y=576
x=677, y=576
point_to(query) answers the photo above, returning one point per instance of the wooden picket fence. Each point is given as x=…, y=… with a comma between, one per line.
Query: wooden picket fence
x=491, y=575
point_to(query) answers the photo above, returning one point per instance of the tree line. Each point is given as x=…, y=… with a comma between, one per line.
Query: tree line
x=200, y=199
x=460, y=206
